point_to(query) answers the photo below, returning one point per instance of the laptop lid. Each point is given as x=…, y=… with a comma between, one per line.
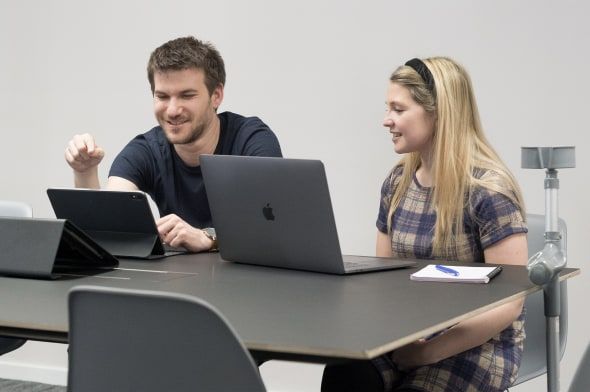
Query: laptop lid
x=276, y=212
x=120, y=221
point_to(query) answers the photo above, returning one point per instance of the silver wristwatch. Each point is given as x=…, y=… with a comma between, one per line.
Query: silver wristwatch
x=210, y=233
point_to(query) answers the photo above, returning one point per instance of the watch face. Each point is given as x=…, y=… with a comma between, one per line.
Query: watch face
x=210, y=233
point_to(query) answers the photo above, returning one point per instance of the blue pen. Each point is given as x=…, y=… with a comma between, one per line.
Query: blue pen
x=447, y=270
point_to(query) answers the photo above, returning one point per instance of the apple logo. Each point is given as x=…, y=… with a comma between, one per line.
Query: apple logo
x=267, y=212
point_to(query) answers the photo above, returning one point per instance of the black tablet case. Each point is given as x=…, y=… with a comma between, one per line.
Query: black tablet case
x=120, y=221
x=44, y=248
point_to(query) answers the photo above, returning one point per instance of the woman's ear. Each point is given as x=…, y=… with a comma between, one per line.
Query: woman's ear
x=434, y=121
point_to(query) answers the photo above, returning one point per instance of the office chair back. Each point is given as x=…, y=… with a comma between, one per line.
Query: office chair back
x=136, y=340
x=534, y=360
x=20, y=210
x=581, y=381
x=15, y=209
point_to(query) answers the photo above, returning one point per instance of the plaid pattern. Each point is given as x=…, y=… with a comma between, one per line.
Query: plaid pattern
x=489, y=218
x=492, y=366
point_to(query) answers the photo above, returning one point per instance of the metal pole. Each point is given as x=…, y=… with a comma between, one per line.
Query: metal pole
x=551, y=291
x=551, y=185
x=544, y=266
x=551, y=294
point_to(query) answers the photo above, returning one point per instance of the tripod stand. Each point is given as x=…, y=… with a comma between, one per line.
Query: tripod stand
x=544, y=266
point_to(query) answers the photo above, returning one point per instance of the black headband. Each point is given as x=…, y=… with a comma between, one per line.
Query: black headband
x=419, y=66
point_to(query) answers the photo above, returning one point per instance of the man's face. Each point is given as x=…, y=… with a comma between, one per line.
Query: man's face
x=182, y=104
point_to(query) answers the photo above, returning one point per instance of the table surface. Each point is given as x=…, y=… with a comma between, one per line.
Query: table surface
x=277, y=312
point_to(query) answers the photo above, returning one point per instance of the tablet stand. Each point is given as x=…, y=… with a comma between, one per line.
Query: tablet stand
x=45, y=248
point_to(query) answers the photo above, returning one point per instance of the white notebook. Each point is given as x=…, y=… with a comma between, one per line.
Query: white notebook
x=452, y=273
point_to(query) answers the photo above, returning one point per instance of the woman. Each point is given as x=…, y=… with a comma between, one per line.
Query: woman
x=449, y=198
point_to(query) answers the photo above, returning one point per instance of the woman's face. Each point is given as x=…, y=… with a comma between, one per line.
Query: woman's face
x=411, y=126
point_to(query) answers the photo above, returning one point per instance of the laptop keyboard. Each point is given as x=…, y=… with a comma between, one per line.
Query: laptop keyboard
x=368, y=263
x=358, y=264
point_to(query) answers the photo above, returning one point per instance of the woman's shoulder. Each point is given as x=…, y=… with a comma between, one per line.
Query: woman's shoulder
x=495, y=207
x=396, y=171
x=394, y=175
x=485, y=174
x=492, y=186
x=492, y=179
x=391, y=180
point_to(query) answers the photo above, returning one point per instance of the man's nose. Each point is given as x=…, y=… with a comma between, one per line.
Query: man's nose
x=174, y=109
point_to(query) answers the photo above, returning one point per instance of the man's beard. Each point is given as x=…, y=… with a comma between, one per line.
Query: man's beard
x=190, y=138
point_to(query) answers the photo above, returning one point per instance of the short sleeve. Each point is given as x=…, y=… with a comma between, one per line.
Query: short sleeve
x=385, y=201
x=498, y=217
x=262, y=143
x=255, y=138
x=134, y=163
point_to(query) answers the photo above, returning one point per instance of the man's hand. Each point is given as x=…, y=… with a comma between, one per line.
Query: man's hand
x=176, y=232
x=82, y=153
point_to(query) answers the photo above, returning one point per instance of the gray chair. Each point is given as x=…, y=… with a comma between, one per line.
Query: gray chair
x=534, y=362
x=581, y=381
x=21, y=210
x=15, y=209
x=136, y=340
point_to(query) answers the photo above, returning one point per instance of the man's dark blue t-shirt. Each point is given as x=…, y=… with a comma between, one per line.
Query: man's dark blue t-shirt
x=152, y=164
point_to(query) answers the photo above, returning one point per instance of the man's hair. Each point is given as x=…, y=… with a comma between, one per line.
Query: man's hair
x=185, y=53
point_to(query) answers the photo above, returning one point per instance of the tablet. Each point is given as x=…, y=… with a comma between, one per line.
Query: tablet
x=120, y=221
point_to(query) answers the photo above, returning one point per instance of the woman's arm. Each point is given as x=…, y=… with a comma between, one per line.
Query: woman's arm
x=476, y=330
x=383, y=245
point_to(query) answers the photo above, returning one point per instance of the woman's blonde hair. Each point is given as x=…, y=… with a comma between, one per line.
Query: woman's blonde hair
x=460, y=149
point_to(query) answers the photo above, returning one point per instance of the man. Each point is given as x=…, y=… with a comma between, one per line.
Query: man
x=187, y=78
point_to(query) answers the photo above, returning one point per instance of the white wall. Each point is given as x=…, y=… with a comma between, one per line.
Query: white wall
x=316, y=72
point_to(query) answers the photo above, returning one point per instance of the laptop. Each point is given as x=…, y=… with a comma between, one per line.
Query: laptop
x=120, y=221
x=277, y=212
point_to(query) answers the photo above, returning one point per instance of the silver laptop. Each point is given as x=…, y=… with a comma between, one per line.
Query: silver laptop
x=277, y=212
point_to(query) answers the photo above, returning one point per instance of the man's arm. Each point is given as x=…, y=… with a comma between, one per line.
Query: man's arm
x=115, y=183
x=83, y=156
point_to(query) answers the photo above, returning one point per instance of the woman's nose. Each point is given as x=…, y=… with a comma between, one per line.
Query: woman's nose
x=388, y=121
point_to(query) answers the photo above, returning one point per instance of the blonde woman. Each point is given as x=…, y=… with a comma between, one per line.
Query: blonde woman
x=450, y=197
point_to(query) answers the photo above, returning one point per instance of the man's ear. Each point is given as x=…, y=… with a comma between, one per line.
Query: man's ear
x=217, y=96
